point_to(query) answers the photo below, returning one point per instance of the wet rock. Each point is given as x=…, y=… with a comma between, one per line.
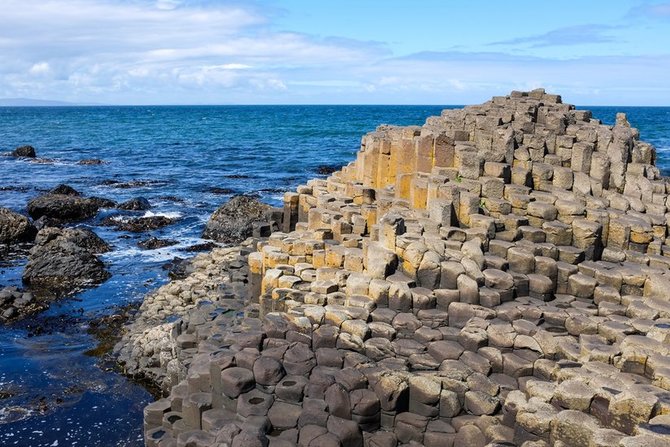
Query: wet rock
x=205, y=246
x=24, y=151
x=179, y=268
x=153, y=243
x=15, y=303
x=134, y=183
x=92, y=162
x=15, y=228
x=136, y=204
x=327, y=169
x=65, y=190
x=233, y=221
x=65, y=204
x=138, y=224
x=65, y=259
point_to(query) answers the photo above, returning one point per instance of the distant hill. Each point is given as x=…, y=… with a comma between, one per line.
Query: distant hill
x=28, y=102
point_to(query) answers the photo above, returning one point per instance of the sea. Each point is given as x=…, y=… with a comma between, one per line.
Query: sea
x=187, y=161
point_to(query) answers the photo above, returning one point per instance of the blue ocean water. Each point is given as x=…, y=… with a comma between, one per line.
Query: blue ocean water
x=186, y=161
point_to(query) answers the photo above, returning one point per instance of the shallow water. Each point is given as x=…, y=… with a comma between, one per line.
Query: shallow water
x=51, y=393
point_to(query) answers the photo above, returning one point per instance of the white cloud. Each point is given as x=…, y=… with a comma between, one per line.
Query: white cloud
x=40, y=68
x=204, y=51
x=167, y=4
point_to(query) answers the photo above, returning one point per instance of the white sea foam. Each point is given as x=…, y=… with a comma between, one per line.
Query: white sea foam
x=168, y=214
x=163, y=254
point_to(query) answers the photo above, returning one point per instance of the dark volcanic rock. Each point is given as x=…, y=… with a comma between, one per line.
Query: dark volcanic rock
x=153, y=243
x=232, y=222
x=179, y=268
x=92, y=162
x=104, y=203
x=138, y=224
x=205, y=246
x=15, y=228
x=62, y=207
x=65, y=190
x=327, y=169
x=24, y=151
x=65, y=259
x=15, y=303
x=136, y=204
x=133, y=183
x=45, y=222
x=66, y=204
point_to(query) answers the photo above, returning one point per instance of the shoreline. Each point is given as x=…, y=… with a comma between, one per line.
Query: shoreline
x=446, y=307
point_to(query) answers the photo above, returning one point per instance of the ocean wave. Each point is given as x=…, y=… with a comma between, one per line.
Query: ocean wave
x=168, y=214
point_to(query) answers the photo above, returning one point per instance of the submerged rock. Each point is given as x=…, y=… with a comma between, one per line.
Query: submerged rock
x=15, y=228
x=15, y=303
x=92, y=162
x=66, y=204
x=233, y=221
x=24, y=151
x=63, y=260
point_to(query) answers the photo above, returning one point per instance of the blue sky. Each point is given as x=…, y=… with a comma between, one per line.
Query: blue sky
x=328, y=52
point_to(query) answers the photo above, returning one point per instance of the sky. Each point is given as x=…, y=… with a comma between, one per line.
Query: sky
x=595, y=52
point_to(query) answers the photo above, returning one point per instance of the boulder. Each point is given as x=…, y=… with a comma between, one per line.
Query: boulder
x=136, y=204
x=24, y=151
x=65, y=190
x=233, y=221
x=15, y=303
x=63, y=260
x=153, y=243
x=66, y=204
x=15, y=227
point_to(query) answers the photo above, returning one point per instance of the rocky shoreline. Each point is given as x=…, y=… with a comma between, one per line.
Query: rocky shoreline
x=495, y=277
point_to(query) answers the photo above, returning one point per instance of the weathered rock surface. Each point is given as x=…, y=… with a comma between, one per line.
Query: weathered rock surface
x=24, y=151
x=153, y=243
x=493, y=277
x=15, y=228
x=63, y=260
x=15, y=303
x=136, y=204
x=233, y=221
x=65, y=204
x=213, y=286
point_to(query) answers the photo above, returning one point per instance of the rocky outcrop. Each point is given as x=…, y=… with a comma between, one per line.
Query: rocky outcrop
x=493, y=277
x=136, y=204
x=24, y=151
x=15, y=228
x=147, y=349
x=65, y=204
x=64, y=260
x=234, y=221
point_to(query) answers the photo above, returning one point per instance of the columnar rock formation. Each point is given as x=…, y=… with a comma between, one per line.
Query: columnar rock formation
x=498, y=276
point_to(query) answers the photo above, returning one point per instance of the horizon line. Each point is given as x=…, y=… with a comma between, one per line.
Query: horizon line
x=72, y=105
